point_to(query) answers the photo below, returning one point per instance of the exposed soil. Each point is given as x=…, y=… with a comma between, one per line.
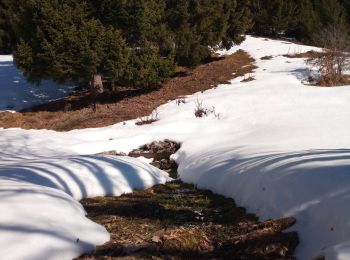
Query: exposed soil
x=178, y=221
x=121, y=104
x=305, y=55
x=266, y=58
x=248, y=79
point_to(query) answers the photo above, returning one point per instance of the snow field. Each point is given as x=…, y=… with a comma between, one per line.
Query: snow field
x=280, y=148
x=17, y=93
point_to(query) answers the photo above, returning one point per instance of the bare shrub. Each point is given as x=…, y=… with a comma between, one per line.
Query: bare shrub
x=247, y=78
x=180, y=100
x=334, y=59
x=147, y=120
x=201, y=111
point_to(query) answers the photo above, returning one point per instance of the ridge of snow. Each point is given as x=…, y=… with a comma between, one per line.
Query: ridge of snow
x=40, y=214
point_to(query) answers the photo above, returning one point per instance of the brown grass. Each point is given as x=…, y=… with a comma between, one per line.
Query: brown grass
x=74, y=112
x=266, y=57
x=304, y=55
x=344, y=81
x=178, y=221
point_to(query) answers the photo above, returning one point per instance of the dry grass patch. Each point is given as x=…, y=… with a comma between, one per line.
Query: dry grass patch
x=178, y=221
x=304, y=55
x=248, y=78
x=123, y=104
x=266, y=58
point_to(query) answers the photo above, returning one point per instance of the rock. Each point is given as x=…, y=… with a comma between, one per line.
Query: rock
x=160, y=152
x=114, y=153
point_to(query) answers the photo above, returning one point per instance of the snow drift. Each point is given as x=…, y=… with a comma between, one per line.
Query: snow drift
x=40, y=216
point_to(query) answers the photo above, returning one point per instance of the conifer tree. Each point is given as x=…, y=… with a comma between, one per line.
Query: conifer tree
x=346, y=5
x=273, y=17
x=198, y=25
x=147, y=69
x=59, y=42
x=8, y=35
x=301, y=19
x=142, y=25
x=129, y=42
x=331, y=13
x=306, y=22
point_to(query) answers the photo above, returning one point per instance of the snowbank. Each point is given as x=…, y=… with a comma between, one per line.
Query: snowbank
x=280, y=148
x=16, y=93
x=40, y=216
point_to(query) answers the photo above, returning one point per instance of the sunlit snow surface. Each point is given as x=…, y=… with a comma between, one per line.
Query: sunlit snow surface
x=279, y=148
x=16, y=93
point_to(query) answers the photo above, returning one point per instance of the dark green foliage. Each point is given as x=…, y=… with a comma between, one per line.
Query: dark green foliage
x=138, y=20
x=301, y=19
x=346, y=5
x=128, y=42
x=273, y=16
x=330, y=12
x=142, y=25
x=8, y=36
x=147, y=69
x=321, y=14
x=59, y=42
x=139, y=43
x=198, y=24
x=306, y=22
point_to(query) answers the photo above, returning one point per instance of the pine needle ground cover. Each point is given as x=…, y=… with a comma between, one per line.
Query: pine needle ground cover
x=178, y=221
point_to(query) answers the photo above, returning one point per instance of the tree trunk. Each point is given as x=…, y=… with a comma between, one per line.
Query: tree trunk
x=96, y=88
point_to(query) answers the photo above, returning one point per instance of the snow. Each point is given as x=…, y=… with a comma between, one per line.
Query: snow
x=40, y=216
x=17, y=93
x=279, y=148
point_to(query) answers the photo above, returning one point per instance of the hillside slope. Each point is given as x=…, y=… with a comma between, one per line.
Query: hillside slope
x=278, y=147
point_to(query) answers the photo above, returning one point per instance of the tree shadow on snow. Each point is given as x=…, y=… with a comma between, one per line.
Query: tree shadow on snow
x=16, y=93
x=290, y=182
x=54, y=174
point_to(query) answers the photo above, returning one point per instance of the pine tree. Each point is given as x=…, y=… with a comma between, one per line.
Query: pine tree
x=240, y=20
x=60, y=42
x=8, y=36
x=142, y=25
x=273, y=17
x=200, y=24
x=301, y=19
x=306, y=22
x=346, y=5
x=327, y=14
x=147, y=69
x=129, y=42
x=331, y=13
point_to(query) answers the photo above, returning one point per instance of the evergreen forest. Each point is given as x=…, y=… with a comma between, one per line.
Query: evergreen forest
x=140, y=43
